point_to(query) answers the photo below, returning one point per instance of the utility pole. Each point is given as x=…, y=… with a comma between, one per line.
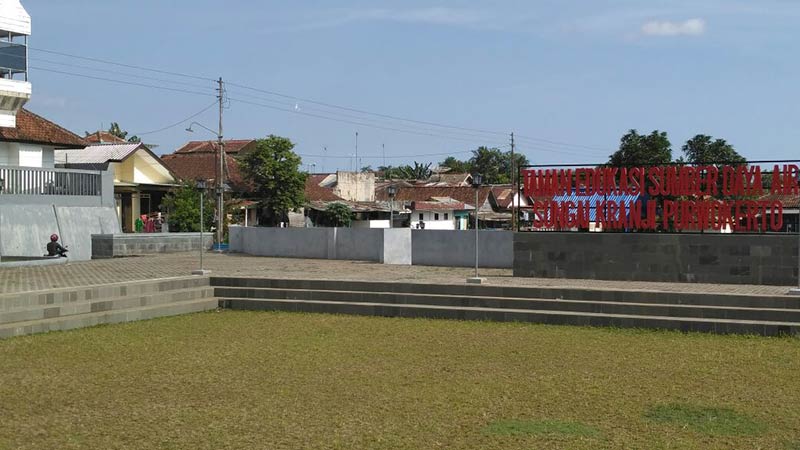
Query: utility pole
x=513, y=187
x=221, y=177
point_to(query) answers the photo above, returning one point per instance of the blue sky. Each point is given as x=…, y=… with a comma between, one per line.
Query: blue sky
x=579, y=73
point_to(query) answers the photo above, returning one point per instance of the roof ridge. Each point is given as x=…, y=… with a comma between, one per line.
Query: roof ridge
x=53, y=123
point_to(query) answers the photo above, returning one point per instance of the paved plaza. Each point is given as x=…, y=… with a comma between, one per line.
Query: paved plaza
x=87, y=273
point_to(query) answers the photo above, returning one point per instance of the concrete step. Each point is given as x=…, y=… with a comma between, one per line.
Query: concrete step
x=9, y=302
x=102, y=304
x=106, y=317
x=566, y=305
x=686, y=324
x=587, y=294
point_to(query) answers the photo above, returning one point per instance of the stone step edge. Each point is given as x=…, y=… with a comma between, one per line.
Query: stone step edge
x=551, y=288
x=223, y=302
x=113, y=299
x=107, y=313
x=69, y=302
x=491, y=298
x=60, y=290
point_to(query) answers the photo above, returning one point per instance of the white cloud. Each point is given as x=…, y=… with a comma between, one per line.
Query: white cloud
x=691, y=27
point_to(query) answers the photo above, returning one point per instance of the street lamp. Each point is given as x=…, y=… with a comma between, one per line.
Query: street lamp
x=220, y=179
x=392, y=191
x=201, y=186
x=477, y=180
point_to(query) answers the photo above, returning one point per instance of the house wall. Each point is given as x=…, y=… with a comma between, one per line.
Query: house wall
x=355, y=186
x=26, y=155
x=370, y=224
x=703, y=258
x=429, y=217
x=145, y=173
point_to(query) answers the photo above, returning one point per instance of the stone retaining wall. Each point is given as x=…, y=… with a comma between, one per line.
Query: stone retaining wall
x=118, y=245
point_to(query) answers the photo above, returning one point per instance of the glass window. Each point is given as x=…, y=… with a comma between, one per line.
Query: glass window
x=445, y=216
x=420, y=216
x=436, y=216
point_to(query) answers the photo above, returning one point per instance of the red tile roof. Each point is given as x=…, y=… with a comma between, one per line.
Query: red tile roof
x=316, y=193
x=204, y=166
x=424, y=193
x=788, y=200
x=438, y=206
x=503, y=196
x=231, y=146
x=104, y=137
x=35, y=129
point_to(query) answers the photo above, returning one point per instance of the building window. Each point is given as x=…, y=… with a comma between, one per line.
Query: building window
x=436, y=216
x=445, y=216
x=420, y=216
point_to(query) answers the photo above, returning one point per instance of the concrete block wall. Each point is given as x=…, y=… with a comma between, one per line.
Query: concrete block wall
x=360, y=244
x=457, y=248
x=390, y=246
x=121, y=245
x=701, y=258
x=25, y=229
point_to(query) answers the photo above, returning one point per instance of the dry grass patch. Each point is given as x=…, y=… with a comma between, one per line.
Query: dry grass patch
x=234, y=380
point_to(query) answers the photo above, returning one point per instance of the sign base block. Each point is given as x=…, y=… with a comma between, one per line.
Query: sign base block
x=794, y=291
x=475, y=280
x=201, y=272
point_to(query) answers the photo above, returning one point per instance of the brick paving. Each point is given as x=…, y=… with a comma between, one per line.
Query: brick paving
x=86, y=273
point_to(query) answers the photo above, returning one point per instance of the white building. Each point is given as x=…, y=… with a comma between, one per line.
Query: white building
x=15, y=90
x=36, y=199
x=440, y=214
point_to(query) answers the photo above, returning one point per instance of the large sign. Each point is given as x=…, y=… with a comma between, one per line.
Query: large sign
x=670, y=197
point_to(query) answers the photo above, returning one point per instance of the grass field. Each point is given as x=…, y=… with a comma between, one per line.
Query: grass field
x=244, y=380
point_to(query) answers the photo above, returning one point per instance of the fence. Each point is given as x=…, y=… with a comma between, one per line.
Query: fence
x=36, y=181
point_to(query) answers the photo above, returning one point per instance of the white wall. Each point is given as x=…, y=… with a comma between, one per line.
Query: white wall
x=431, y=223
x=370, y=224
x=26, y=155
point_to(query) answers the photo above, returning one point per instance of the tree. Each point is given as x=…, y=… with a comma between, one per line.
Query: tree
x=182, y=205
x=493, y=164
x=273, y=170
x=455, y=165
x=701, y=149
x=120, y=133
x=366, y=169
x=419, y=171
x=636, y=150
x=338, y=215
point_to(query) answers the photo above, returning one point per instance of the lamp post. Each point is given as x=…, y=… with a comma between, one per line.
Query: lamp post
x=220, y=180
x=392, y=191
x=201, y=186
x=477, y=180
x=796, y=291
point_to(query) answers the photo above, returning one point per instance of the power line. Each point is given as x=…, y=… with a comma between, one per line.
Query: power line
x=387, y=116
x=115, y=72
x=123, y=82
x=388, y=157
x=460, y=130
x=178, y=123
x=364, y=124
x=130, y=66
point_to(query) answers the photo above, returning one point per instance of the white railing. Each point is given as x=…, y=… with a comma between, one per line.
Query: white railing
x=36, y=181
